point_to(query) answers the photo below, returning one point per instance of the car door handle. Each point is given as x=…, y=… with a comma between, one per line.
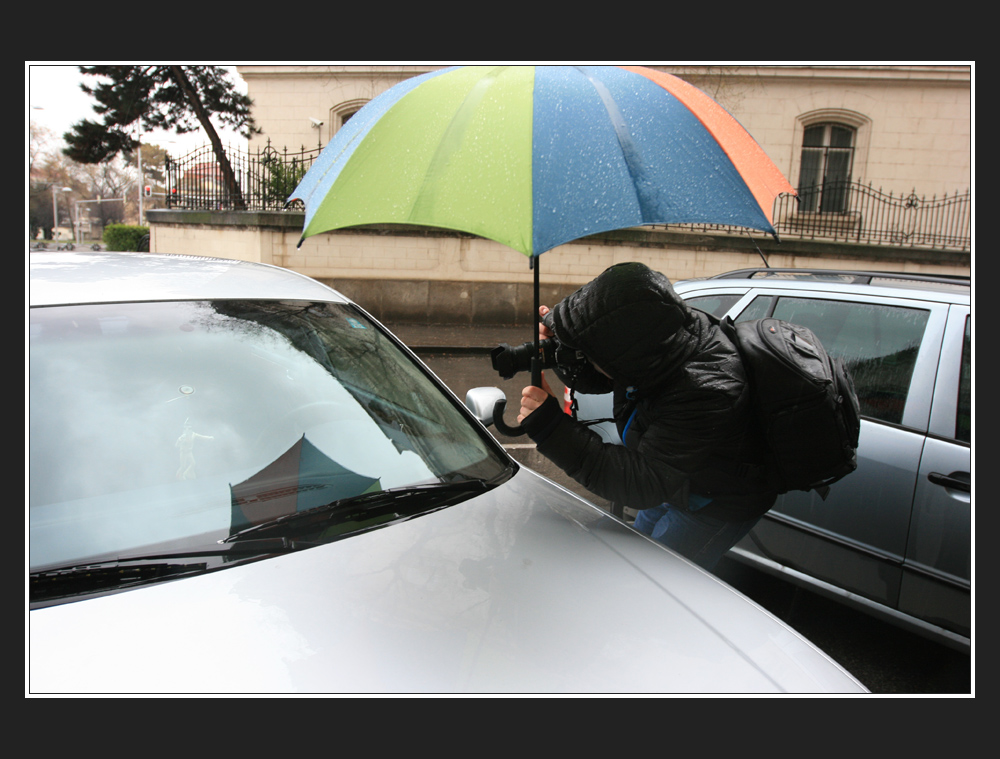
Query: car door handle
x=949, y=482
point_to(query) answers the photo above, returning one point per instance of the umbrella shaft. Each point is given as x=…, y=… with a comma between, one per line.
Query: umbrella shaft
x=536, y=359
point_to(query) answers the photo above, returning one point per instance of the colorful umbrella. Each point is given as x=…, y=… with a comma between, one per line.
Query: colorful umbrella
x=537, y=156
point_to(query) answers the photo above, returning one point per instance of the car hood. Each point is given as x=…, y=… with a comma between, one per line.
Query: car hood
x=527, y=589
x=58, y=278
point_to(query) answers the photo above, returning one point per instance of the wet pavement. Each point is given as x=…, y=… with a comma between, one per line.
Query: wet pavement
x=886, y=659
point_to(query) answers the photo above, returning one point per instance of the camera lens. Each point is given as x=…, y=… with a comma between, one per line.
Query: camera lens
x=508, y=361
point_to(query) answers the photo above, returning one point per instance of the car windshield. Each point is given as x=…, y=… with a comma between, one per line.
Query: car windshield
x=184, y=423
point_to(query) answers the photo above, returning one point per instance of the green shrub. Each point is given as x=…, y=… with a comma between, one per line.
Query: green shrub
x=124, y=237
x=281, y=179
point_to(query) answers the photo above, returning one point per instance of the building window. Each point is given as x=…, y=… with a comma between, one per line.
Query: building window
x=825, y=171
x=342, y=112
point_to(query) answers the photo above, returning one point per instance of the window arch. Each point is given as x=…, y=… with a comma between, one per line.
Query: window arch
x=341, y=112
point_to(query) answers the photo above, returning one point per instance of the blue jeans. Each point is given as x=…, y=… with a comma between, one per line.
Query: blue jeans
x=700, y=538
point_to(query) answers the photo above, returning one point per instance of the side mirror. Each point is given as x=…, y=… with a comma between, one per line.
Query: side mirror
x=482, y=400
x=487, y=404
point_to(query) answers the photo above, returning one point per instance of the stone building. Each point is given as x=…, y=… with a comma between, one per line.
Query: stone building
x=904, y=129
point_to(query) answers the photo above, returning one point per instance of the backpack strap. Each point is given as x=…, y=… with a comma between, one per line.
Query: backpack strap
x=736, y=469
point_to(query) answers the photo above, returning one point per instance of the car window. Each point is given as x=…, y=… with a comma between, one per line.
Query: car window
x=963, y=426
x=759, y=308
x=717, y=305
x=185, y=422
x=878, y=343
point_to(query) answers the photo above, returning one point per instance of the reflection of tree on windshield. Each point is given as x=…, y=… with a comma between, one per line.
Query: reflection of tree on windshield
x=388, y=385
x=353, y=352
x=377, y=376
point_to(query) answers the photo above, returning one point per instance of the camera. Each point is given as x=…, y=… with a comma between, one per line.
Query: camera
x=508, y=361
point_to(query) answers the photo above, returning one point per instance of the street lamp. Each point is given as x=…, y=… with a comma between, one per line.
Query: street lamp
x=139, y=135
x=55, y=210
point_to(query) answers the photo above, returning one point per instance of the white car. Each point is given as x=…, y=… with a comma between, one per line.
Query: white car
x=241, y=483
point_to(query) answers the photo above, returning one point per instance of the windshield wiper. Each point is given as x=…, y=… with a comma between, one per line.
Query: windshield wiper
x=393, y=502
x=122, y=571
x=218, y=549
x=125, y=570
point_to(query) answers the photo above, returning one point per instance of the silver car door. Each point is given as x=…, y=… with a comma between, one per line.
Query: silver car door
x=936, y=580
x=856, y=538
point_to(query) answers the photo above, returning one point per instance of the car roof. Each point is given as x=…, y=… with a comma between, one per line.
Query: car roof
x=944, y=289
x=63, y=278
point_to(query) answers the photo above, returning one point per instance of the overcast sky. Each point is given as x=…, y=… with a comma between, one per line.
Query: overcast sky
x=54, y=100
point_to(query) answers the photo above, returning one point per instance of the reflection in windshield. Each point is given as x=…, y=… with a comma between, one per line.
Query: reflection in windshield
x=302, y=478
x=156, y=423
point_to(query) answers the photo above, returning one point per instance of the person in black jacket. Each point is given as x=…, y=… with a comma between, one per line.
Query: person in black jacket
x=692, y=461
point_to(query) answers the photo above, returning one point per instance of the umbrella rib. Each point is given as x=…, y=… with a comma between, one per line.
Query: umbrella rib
x=630, y=152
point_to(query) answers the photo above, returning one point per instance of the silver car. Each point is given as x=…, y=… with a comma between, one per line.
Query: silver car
x=893, y=538
x=240, y=482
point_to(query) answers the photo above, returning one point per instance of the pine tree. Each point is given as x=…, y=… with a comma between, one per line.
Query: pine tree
x=178, y=98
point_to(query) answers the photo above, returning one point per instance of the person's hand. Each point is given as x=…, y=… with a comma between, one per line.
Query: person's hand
x=532, y=397
x=544, y=332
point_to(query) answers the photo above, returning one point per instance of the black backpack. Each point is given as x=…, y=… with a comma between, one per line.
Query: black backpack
x=805, y=401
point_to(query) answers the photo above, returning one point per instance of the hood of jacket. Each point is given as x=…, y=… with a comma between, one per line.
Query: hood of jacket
x=631, y=323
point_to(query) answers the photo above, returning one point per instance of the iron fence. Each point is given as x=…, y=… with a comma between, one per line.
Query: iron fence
x=266, y=177
x=873, y=217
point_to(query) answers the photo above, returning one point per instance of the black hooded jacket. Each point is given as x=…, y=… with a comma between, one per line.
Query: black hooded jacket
x=681, y=401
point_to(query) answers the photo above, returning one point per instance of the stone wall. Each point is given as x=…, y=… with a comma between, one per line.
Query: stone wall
x=437, y=276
